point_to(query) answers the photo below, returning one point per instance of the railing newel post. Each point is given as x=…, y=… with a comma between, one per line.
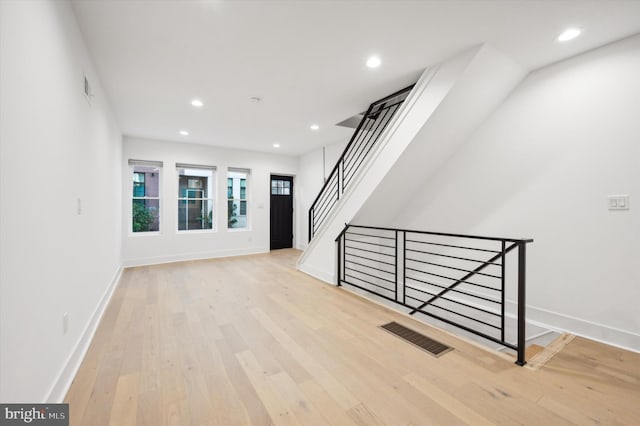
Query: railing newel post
x=522, y=261
x=502, y=284
x=339, y=260
x=396, y=267
x=404, y=267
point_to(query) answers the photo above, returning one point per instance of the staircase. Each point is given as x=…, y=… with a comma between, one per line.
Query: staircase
x=401, y=142
x=373, y=124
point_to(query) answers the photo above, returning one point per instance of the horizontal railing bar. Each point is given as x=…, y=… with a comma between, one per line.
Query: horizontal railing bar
x=372, y=236
x=454, y=257
x=334, y=174
x=357, y=143
x=320, y=216
x=326, y=184
x=369, y=251
x=470, y=274
x=368, y=258
x=371, y=275
x=373, y=135
x=369, y=283
x=325, y=207
x=371, y=291
x=348, y=170
x=455, y=290
x=356, y=134
x=377, y=122
x=455, y=313
x=457, y=269
x=393, y=95
x=450, y=245
x=476, y=237
x=470, y=330
x=322, y=206
x=438, y=317
x=355, y=146
x=327, y=194
x=350, y=161
x=475, y=308
x=317, y=222
x=386, y=106
x=369, y=266
x=453, y=279
x=319, y=212
x=370, y=243
x=363, y=132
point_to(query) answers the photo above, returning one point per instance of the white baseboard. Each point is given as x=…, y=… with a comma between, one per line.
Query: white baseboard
x=64, y=379
x=580, y=327
x=317, y=273
x=146, y=261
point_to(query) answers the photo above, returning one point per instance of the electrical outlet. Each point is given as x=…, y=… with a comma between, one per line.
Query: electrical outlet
x=65, y=323
x=79, y=206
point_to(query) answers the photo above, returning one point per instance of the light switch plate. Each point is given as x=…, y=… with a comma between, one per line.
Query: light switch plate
x=618, y=202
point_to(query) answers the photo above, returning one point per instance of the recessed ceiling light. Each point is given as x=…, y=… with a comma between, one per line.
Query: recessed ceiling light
x=184, y=133
x=197, y=103
x=373, y=62
x=276, y=145
x=314, y=127
x=569, y=34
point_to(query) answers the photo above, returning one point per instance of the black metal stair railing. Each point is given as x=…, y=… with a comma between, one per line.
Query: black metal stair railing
x=458, y=279
x=377, y=118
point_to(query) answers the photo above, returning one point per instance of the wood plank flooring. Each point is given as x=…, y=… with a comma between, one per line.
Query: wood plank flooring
x=250, y=340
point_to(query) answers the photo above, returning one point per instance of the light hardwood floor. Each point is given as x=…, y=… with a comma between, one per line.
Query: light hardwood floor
x=250, y=340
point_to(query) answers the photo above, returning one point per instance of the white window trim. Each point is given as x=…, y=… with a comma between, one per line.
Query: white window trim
x=247, y=199
x=213, y=199
x=157, y=164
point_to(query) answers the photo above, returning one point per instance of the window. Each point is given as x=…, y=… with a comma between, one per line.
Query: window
x=145, y=196
x=280, y=187
x=237, y=199
x=195, y=197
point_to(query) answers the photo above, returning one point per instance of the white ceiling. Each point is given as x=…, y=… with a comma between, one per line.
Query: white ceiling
x=306, y=59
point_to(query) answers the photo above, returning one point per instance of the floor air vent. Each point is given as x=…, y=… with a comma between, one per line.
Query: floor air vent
x=420, y=340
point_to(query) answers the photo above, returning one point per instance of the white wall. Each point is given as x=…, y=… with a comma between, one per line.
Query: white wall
x=55, y=148
x=309, y=183
x=170, y=245
x=542, y=166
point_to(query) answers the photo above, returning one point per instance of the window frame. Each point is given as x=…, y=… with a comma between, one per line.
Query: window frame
x=132, y=164
x=246, y=200
x=211, y=198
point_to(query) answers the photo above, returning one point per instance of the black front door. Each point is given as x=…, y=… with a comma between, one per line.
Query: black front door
x=281, y=212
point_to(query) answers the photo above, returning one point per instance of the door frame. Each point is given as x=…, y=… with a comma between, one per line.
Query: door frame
x=293, y=201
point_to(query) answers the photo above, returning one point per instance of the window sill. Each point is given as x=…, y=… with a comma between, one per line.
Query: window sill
x=145, y=234
x=238, y=229
x=195, y=231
